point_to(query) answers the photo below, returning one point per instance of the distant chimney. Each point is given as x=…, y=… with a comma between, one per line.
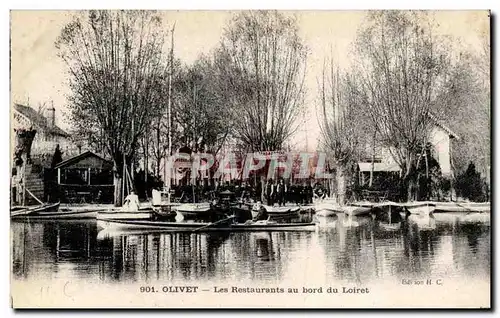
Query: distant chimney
x=51, y=117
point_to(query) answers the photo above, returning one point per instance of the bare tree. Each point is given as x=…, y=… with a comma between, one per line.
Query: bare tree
x=341, y=128
x=400, y=74
x=115, y=63
x=262, y=67
x=200, y=110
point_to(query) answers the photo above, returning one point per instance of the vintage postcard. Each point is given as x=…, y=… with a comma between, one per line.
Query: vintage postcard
x=262, y=159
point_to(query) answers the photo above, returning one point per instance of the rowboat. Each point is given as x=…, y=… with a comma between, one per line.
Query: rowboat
x=265, y=225
x=276, y=212
x=462, y=207
x=421, y=208
x=52, y=211
x=192, y=210
x=353, y=210
x=327, y=207
x=141, y=214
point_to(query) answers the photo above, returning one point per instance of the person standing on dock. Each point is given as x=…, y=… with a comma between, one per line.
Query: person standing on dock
x=280, y=192
x=269, y=192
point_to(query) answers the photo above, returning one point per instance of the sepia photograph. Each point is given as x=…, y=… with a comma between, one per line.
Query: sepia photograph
x=250, y=159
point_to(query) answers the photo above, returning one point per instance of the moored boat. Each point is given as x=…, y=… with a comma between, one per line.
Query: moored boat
x=52, y=211
x=353, y=210
x=484, y=207
x=21, y=211
x=192, y=210
x=141, y=214
x=227, y=225
x=421, y=208
x=276, y=212
x=327, y=207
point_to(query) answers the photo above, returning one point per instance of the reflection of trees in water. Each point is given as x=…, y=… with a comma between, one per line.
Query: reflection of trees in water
x=347, y=248
x=52, y=242
x=258, y=255
x=167, y=256
x=358, y=250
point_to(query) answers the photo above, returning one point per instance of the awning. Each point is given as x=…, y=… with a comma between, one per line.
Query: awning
x=378, y=166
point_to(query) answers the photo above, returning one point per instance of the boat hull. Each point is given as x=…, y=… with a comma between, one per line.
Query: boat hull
x=420, y=209
x=442, y=207
x=61, y=215
x=278, y=212
x=326, y=212
x=124, y=215
x=200, y=227
x=356, y=210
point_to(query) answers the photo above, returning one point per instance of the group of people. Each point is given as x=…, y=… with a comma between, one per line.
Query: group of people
x=281, y=193
x=271, y=192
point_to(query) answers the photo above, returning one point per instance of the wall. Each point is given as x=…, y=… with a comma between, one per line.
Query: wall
x=440, y=141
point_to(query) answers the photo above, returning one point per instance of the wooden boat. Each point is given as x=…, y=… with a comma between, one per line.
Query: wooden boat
x=353, y=210
x=265, y=225
x=52, y=211
x=327, y=207
x=141, y=214
x=192, y=210
x=421, y=208
x=481, y=207
x=276, y=212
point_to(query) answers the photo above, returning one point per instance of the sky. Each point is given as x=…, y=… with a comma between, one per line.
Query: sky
x=38, y=76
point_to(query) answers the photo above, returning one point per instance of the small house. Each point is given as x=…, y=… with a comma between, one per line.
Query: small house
x=85, y=178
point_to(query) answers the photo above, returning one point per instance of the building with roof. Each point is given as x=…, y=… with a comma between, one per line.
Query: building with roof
x=48, y=134
x=85, y=178
x=440, y=137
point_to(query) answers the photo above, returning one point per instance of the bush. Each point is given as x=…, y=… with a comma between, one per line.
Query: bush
x=471, y=186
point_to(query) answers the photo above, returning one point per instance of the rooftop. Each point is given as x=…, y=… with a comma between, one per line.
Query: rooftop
x=39, y=120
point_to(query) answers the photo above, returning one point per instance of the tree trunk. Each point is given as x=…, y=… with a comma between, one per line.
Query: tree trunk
x=373, y=161
x=411, y=186
x=118, y=183
x=341, y=185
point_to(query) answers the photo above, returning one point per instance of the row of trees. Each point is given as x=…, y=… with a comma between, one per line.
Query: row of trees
x=405, y=78
x=250, y=90
x=123, y=78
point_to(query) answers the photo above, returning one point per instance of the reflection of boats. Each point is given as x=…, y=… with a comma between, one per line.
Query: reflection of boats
x=474, y=218
x=423, y=222
x=422, y=208
x=390, y=226
x=327, y=222
x=52, y=211
x=263, y=225
x=354, y=210
x=354, y=221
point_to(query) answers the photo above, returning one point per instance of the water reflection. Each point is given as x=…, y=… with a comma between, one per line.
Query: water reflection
x=355, y=249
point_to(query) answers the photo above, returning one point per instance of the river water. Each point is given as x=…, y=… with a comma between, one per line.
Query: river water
x=360, y=251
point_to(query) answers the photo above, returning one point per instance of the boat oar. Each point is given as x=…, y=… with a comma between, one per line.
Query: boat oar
x=214, y=223
x=39, y=201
